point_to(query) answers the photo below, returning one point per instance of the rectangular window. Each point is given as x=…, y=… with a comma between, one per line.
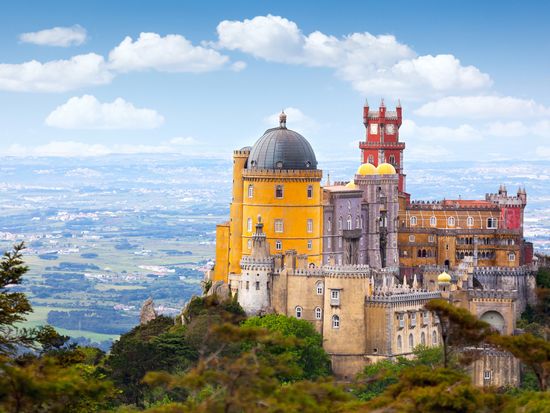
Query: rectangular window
x=309, y=244
x=492, y=223
x=309, y=225
x=257, y=285
x=279, y=191
x=247, y=285
x=310, y=191
x=411, y=238
x=335, y=297
x=279, y=225
x=278, y=245
x=431, y=238
x=487, y=374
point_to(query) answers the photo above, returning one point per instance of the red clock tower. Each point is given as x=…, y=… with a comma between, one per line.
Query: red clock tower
x=382, y=142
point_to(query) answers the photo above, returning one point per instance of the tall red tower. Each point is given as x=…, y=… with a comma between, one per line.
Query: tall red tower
x=382, y=142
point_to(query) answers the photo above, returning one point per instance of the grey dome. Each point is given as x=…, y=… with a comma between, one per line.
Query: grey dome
x=282, y=148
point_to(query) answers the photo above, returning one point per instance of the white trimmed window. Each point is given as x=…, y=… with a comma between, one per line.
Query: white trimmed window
x=279, y=227
x=487, y=375
x=433, y=221
x=318, y=313
x=511, y=257
x=319, y=287
x=278, y=245
x=298, y=312
x=470, y=221
x=413, y=220
x=431, y=238
x=492, y=223
x=335, y=321
x=348, y=222
x=309, y=225
x=249, y=224
x=451, y=221
x=250, y=191
x=371, y=159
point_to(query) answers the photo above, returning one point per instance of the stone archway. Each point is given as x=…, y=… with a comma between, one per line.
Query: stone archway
x=495, y=319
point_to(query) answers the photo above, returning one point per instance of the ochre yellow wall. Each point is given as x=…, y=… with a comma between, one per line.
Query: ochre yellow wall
x=236, y=213
x=294, y=208
x=222, y=252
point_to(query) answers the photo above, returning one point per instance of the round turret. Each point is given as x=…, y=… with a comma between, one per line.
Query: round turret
x=386, y=169
x=367, y=169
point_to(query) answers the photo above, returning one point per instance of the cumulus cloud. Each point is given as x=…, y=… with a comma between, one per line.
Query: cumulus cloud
x=172, y=53
x=462, y=133
x=372, y=64
x=519, y=128
x=296, y=120
x=55, y=76
x=87, y=112
x=482, y=107
x=58, y=36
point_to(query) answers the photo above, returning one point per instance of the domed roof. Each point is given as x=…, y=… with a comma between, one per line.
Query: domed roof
x=366, y=169
x=443, y=278
x=351, y=185
x=282, y=148
x=385, y=169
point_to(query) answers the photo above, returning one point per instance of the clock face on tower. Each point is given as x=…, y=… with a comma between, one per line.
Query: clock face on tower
x=374, y=128
x=390, y=129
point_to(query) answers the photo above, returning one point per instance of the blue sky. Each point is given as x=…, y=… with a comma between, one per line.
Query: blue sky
x=203, y=78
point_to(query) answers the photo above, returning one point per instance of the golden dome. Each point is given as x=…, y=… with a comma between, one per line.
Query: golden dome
x=366, y=169
x=351, y=185
x=443, y=278
x=385, y=169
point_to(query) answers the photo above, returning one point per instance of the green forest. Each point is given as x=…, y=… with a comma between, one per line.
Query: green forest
x=212, y=358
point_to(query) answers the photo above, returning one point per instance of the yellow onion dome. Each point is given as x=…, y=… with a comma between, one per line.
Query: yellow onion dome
x=443, y=278
x=385, y=169
x=366, y=169
x=351, y=185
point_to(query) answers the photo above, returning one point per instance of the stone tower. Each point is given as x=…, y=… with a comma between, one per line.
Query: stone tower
x=255, y=282
x=382, y=139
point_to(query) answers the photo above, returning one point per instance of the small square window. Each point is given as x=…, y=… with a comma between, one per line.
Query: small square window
x=309, y=244
x=279, y=191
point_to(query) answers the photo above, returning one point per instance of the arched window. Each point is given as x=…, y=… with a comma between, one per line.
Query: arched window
x=250, y=191
x=411, y=341
x=434, y=338
x=423, y=338
x=319, y=287
x=511, y=257
x=433, y=221
x=309, y=225
x=335, y=321
x=399, y=343
x=392, y=159
x=279, y=191
x=349, y=222
x=249, y=224
x=340, y=223
x=419, y=253
x=451, y=221
x=329, y=224
x=492, y=223
x=278, y=245
x=413, y=220
x=310, y=191
x=423, y=253
x=298, y=312
x=371, y=159
x=470, y=221
x=318, y=313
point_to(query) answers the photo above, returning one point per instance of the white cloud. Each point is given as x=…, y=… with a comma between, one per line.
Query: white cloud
x=69, y=149
x=172, y=53
x=58, y=36
x=183, y=141
x=463, y=133
x=87, y=112
x=372, y=64
x=518, y=128
x=483, y=107
x=55, y=76
x=296, y=120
